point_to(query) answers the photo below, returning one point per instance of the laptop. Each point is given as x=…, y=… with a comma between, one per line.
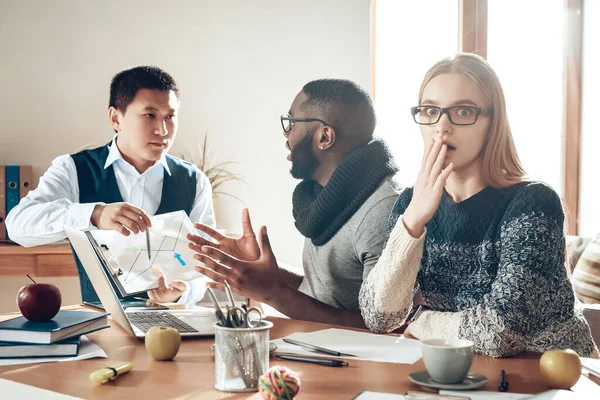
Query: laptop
x=195, y=322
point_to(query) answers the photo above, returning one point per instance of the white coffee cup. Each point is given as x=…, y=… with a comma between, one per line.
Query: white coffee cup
x=447, y=361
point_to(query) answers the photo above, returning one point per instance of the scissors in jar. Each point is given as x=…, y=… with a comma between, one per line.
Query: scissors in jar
x=240, y=317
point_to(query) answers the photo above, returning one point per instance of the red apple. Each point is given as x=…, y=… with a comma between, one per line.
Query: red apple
x=39, y=302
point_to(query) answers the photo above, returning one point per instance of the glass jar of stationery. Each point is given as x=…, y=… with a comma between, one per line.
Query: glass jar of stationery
x=241, y=356
x=241, y=346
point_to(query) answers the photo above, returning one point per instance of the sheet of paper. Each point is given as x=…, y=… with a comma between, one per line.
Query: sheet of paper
x=366, y=346
x=127, y=256
x=16, y=390
x=366, y=395
x=557, y=394
x=592, y=365
x=484, y=395
x=87, y=349
x=584, y=388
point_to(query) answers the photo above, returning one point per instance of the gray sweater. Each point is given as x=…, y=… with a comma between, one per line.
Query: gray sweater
x=333, y=272
x=492, y=270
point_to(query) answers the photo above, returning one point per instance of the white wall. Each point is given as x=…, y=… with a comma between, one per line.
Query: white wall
x=239, y=65
x=9, y=287
x=589, y=203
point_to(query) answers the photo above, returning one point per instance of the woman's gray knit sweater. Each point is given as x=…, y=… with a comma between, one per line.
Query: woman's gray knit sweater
x=491, y=269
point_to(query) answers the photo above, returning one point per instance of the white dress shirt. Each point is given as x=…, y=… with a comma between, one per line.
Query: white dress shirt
x=40, y=217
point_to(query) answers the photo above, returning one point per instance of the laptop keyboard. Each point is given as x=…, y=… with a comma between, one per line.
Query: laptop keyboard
x=146, y=320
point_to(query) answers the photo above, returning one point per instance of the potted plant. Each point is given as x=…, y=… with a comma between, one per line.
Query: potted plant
x=218, y=172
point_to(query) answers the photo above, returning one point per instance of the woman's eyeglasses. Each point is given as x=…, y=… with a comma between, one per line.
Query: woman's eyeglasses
x=458, y=115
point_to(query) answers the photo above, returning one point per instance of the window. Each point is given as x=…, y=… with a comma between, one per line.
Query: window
x=532, y=80
x=589, y=200
x=536, y=48
x=409, y=38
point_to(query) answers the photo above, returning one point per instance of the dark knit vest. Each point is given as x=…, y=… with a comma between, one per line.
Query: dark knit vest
x=97, y=184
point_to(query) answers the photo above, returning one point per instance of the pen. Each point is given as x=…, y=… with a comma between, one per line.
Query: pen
x=234, y=315
x=109, y=373
x=320, y=361
x=503, y=387
x=148, y=243
x=229, y=294
x=317, y=348
x=220, y=316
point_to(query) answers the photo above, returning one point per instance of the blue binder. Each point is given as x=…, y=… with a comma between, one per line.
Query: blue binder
x=13, y=188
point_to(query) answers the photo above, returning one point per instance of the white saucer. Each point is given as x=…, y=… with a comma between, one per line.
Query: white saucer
x=471, y=381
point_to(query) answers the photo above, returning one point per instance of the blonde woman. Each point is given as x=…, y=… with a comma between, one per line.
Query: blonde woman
x=481, y=247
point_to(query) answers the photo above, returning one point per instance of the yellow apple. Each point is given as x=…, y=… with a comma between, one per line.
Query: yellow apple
x=162, y=342
x=560, y=369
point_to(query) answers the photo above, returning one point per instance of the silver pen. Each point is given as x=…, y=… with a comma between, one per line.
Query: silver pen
x=218, y=312
x=229, y=294
x=148, y=243
x=318, y=349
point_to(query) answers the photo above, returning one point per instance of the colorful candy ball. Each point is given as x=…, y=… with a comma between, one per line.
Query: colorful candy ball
x=279, y=383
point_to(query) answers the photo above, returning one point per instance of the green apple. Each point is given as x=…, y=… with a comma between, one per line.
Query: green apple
x=162, y=342
x=560, y=369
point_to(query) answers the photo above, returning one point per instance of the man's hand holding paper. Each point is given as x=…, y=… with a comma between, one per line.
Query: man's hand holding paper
x=127, y=260
x=166, y=293
x=124, y=218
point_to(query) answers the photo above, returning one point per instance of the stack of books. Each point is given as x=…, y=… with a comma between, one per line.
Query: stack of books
x=21, y=338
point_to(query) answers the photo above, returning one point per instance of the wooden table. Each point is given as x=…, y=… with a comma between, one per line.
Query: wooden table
x=43, y=261
x=191, y=373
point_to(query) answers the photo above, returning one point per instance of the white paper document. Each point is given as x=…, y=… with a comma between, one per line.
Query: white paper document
x=592, y=365
x=366, y=346
x=485, y=395
x=367, y=395
x=16, y=390
x=126, y=257
x=467, y=394
x=558, y=394
x=87, y=349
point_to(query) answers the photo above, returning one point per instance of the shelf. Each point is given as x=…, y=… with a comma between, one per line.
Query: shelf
x=43, y=261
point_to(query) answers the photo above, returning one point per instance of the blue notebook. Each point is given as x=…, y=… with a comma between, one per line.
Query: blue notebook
x=65, y=324
x=64, y=348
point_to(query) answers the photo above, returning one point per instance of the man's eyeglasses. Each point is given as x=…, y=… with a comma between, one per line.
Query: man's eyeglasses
x=287, y=121
x=458, y=115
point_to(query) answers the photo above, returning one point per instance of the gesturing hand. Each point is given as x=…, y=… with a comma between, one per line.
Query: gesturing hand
x=120, y=217
x=428, y=190
x=244, y=248
x=167, y=293
x=259, y=280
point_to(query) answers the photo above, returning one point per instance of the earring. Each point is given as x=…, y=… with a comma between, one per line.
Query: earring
x=321, y=147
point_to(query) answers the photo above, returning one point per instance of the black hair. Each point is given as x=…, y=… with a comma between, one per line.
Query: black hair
x=343, y=104
x=125, y=85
